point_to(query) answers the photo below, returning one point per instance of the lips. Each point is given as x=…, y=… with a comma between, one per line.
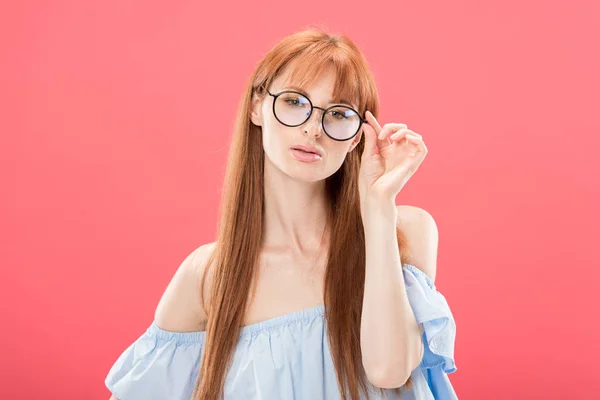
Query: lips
x=308, y=149
x=305, y=156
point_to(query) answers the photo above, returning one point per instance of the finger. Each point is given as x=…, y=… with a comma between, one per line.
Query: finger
x=383, y=138
x=418, y=142
x=401, y=134
x=383, y=143
x=370, y=141
x=373, y=122
x=407, y=138
x=414, y=133
x=390, y=129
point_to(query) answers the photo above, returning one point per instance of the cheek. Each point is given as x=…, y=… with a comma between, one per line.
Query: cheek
x=272, y=129
x=338, y=153
x=340, y=149
x=273, y=138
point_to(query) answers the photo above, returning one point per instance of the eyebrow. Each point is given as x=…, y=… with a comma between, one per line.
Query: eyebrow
x=339, y=101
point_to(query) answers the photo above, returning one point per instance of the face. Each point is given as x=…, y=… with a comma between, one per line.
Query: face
x=279, y=140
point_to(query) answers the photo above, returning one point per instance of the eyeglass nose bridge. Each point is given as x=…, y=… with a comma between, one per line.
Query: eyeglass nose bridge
x=321, y=121
x=311, y=112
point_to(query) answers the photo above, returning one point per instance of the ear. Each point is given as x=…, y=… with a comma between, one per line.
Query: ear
x=356, y=140
x=255, y=112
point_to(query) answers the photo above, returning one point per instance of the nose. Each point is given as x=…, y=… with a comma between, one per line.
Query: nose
x=313, y=124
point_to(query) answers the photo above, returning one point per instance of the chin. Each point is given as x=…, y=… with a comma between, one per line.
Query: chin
x=304, y=174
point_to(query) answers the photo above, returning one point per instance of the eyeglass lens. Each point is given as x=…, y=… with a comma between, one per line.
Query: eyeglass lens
x=293, y=109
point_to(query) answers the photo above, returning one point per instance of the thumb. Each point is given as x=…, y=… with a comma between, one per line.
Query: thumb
x=370, y=141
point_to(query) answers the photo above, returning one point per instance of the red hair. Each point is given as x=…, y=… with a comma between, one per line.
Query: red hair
x=233, y=262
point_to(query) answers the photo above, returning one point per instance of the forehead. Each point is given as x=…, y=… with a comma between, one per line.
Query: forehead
x=323, y=82
x=320, y=87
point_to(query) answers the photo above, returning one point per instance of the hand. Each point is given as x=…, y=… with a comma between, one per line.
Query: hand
x=391, y=156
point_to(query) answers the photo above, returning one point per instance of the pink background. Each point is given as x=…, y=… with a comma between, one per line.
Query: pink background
x=116, y=121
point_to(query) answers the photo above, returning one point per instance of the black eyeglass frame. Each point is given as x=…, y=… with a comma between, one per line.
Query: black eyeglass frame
x=312, y=107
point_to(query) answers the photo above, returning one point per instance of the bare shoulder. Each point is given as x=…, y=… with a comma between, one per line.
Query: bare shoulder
x=422, y=236
x=180, y=307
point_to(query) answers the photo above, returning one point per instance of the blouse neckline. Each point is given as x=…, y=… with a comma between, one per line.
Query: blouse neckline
x=304, y=315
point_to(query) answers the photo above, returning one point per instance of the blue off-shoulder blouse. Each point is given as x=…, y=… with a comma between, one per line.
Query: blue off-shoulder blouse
x=284, y=358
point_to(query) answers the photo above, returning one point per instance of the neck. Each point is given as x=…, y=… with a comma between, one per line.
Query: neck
x=295, y=213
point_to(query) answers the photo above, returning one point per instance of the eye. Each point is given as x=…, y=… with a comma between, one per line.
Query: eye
x=292, y=102
x=295, y=100
x=337, y=114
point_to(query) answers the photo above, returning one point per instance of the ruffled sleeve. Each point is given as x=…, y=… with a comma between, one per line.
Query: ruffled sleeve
x=439, y=330
x=158, y=365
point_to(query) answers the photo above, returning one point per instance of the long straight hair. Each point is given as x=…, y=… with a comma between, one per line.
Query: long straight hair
x=236, y=254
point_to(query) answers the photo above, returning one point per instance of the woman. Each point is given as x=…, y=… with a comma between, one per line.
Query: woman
x=318, y=286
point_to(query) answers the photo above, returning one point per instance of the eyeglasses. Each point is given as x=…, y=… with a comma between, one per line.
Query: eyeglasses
x=339, y=122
